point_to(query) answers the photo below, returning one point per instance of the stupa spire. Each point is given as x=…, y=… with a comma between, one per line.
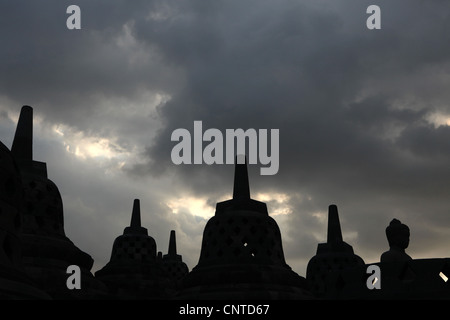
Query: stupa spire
x=172, y=253
x=241, y=188
x=136, y=214
x=22, y=147
x=135, y=225
x=172, y=243
x=334, y=234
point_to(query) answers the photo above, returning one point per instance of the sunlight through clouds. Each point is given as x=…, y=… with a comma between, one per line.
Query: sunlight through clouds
x=195, y=206
x=439, y=119
x=277, y=202
x=85, y=147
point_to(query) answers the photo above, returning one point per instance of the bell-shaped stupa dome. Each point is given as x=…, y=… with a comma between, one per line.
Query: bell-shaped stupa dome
x=14, y=282
x=331, y=271
x=133, y=271
x=46, y=251
x=242, y=254
x=172, y=263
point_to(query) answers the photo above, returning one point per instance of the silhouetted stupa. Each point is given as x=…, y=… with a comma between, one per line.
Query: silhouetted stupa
x=46, y=251
x=133, y=271
x=242, y=255
x=334, y=265
x=172, y=263
x=14, y=283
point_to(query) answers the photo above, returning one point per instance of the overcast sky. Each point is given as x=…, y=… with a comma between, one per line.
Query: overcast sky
x=363, y=114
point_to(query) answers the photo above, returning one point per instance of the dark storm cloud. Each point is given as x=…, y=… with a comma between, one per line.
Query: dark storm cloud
x=67, y=73
x=351, y=104
x=296, y=67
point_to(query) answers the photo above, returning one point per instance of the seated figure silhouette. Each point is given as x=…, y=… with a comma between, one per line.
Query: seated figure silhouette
x=397, y=234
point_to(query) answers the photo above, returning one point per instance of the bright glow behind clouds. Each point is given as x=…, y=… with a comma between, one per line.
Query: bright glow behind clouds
x=85, y=147
x=278, y=204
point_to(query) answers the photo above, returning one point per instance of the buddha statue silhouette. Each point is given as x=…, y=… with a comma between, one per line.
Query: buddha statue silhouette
x=397, y=234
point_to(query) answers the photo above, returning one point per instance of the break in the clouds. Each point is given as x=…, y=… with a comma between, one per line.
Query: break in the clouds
x=363, y=114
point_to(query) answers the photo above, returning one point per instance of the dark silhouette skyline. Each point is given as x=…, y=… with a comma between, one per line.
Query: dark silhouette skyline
x=241, y=255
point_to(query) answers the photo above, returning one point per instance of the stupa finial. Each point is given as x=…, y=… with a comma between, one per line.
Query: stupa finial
x=136, y=214
x=135, y=225
x=172, y=253
x=334, y=226
x=172, y=243
x=241, y=187
x=22, y=147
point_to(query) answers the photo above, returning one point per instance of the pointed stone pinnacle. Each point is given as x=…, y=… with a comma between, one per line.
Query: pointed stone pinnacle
x=135, y=225
x=136, y=214
x=241, y=192
x=334, y=227
x=172, y=243
x=172, y=254
x=241, y=187
x=22, y=147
